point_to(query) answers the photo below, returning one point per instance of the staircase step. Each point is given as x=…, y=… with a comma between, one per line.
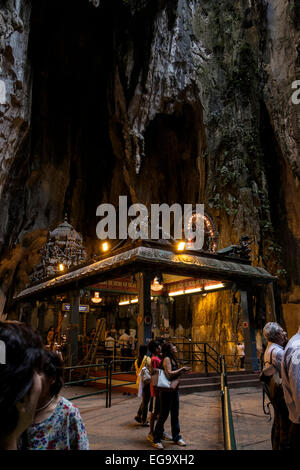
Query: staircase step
x=192, y=380
x=200, y=380
x=212, y=386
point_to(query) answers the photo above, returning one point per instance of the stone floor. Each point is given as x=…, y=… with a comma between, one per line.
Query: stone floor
x=200, y=419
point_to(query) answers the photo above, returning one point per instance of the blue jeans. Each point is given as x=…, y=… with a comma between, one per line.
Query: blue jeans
x=169, y=403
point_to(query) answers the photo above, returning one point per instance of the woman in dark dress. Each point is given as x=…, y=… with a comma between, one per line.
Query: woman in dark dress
x=169, y=400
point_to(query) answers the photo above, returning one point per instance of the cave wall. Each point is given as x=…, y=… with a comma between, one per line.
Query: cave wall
x=282, y=67
x=163, y=101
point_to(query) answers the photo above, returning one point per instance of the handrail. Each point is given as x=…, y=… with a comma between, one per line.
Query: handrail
x=228, y=429
x=207, y=350
x=211, y=357
x=76, y=382
x=111, y=373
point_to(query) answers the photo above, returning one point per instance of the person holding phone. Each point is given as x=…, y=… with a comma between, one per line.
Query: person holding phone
x=169, y=400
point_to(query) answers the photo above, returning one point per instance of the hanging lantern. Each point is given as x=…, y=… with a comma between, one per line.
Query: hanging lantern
x=156, y=285
x=96, y=299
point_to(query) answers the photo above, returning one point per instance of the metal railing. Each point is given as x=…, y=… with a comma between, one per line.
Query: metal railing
x=228, y=429
x=204, y=353
x=112, y=373
x=105, y=367
x=110, y=369
x=198, y=352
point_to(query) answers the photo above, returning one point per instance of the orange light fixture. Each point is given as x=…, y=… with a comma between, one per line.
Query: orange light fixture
x=61, y=267
x=181, y=246
x=156, y=285
x=96, y=299
x=105, y=246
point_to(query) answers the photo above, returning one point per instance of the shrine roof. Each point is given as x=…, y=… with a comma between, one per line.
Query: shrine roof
x=151, y=258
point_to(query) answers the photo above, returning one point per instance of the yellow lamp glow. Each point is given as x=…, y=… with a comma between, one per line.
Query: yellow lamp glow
x=105, y=246
x=192, y=291
x=156, y=286
x=96, y=299
x=178, y=292
x=61, y=267
x=214, y=286
x=180, y=246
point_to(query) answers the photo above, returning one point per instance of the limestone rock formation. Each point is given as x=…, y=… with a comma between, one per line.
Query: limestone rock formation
x=163, y=101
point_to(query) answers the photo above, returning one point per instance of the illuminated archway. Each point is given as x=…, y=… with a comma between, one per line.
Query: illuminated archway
x=210, y=231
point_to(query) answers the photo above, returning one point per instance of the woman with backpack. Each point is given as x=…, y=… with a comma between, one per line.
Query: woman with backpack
x=142, y=383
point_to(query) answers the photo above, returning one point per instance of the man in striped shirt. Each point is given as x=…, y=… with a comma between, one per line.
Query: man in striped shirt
x=290, y=371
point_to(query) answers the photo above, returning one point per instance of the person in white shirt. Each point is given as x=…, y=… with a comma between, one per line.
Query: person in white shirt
x=109, y=347
x=290, y=370
x=125, y=342
x=277, y=339
x=241, y=354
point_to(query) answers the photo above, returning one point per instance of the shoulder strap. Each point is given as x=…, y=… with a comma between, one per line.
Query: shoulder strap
x=267, y=362
x=268, y=413
x=271, y=356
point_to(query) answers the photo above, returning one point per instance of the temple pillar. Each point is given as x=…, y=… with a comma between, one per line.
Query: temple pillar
x=41, y=318
x=144, y=334
x=74, y=326
x=251, y=362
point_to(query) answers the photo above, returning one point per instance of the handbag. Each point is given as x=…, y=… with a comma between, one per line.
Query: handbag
x=145, y=375
x=160, y=381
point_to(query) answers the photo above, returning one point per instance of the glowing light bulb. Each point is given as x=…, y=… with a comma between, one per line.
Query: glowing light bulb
x=105, y=246
x=180, y=246
x=61, y=267
x=96, y=299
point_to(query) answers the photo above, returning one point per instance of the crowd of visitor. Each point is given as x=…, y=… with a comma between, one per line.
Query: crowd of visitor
x=163, y=402
x=34, y=414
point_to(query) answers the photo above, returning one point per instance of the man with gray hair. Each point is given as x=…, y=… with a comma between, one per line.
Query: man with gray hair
x=290, y=370
x=277, y=339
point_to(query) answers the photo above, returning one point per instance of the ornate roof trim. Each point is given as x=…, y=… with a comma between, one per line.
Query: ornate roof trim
x=195, y=265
